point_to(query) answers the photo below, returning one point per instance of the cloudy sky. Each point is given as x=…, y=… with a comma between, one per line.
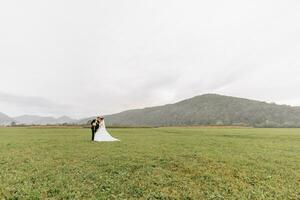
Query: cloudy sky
x=81, y=58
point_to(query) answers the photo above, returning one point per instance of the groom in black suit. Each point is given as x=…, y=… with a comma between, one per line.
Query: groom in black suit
x=95, y=126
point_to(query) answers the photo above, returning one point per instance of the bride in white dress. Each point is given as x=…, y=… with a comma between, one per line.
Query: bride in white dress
x=102, y=135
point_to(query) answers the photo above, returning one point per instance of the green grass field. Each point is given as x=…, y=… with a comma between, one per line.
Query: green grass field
x=160, y=163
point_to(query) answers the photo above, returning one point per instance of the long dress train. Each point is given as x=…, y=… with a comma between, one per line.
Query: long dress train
x=102, y=135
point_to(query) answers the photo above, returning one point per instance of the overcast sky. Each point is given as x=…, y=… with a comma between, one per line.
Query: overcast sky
x=81, y=58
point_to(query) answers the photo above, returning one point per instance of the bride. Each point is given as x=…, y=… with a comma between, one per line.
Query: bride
x=102, y=134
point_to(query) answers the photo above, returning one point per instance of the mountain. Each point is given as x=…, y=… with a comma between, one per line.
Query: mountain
x=208, y=109
x=5, y=119
x=65, y=119
x=27, y=119
x=35, y=119
x=211, y=109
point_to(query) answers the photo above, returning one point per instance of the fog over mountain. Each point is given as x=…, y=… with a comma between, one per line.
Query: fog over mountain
x=34, y=120
x=5, y=119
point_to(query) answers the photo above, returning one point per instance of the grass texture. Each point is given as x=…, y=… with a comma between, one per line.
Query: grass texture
x=158, y=163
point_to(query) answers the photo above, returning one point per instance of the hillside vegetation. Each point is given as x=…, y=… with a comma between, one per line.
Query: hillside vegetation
x=211, y=109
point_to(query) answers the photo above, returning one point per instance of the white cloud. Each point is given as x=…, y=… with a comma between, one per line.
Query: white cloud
x=107, y=56
x=32, y=105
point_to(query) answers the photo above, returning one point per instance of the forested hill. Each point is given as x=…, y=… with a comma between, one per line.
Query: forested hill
x=211, y=109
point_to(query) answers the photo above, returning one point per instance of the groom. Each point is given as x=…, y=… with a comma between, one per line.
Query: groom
x=95, y=126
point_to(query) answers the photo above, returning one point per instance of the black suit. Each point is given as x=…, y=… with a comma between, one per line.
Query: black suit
x=94, y=127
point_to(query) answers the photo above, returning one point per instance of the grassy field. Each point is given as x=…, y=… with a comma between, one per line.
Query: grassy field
x=160, y=163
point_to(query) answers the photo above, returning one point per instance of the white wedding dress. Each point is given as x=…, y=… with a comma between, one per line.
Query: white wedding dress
x=102, y=135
